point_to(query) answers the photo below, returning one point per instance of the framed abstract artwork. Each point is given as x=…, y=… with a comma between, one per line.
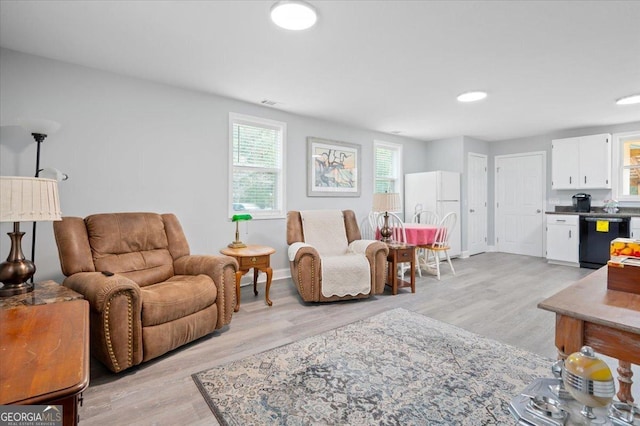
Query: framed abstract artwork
x=334, y=168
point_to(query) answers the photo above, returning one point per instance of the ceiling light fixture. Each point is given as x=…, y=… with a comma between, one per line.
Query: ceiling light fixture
x=293, y=15
x=471, y=96
x=629, y=100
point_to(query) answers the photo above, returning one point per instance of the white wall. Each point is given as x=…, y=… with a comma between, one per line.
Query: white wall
x=134, y=145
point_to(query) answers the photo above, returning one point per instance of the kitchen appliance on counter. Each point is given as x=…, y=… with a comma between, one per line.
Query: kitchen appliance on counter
x=582, y=202
x=596, y=234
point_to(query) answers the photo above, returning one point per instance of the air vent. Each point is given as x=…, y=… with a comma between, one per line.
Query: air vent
x=268, y=102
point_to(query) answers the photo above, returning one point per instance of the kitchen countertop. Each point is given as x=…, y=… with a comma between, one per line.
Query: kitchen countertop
x=598, y=212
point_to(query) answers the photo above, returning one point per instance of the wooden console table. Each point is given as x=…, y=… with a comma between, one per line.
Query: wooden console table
x=587, y=313
x=45, y=355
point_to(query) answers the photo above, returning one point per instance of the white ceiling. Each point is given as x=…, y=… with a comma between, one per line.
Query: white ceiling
x=382, y=65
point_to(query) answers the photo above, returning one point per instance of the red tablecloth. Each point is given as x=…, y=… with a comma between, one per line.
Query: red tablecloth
x=419, y=233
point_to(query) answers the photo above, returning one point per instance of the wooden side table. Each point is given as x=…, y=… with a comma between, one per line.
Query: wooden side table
x=43, y=292
x=45, y=355
x=400, y=253
x=256, y=257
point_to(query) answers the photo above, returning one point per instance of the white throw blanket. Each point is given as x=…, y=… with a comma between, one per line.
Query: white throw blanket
x=344, y=271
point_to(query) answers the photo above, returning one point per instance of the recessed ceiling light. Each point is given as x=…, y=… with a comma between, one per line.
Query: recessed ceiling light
x=396, y=132
x=293, y=14
x=471, y=96
x=629, y=100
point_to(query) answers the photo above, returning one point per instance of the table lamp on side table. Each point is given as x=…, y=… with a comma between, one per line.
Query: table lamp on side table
x=386, y=202
x=237, y=218
x=24, y=199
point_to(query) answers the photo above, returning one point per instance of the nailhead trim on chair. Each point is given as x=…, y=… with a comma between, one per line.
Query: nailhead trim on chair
x=107, y=333
x=312, y=274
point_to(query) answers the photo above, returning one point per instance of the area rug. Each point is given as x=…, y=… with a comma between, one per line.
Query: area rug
x=395, y=368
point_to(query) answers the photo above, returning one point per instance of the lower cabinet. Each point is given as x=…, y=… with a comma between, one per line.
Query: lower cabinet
x=563, y=239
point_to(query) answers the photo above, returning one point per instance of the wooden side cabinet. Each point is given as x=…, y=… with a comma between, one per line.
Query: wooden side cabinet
x=400, y=253
x=45, y=355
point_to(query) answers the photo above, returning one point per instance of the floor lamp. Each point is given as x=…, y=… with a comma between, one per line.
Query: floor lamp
x=39, y=129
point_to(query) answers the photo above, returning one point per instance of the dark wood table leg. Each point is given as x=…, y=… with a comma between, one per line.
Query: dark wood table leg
x=394, y=277
x=239, y=275
x=269, y=273
x=625, y=382
x=256, y=271
x=413, y=273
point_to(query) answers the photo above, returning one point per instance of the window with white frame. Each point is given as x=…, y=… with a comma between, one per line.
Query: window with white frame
x=256, y=166
x=627, y=160
x=387, y=164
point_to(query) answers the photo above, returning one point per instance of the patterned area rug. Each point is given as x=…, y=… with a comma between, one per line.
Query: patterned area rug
x=395, y=368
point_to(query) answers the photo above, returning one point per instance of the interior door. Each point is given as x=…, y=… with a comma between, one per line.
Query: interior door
x=477, y=204
x=520, y=193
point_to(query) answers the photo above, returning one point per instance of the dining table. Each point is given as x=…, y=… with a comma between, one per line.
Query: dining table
x=420, y=234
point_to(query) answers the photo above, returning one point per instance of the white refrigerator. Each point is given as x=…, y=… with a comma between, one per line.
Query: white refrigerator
x=439, y=192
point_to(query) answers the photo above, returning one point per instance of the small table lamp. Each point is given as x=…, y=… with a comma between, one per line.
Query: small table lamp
x=238, y=218
x=386, y=202
x=24, y=199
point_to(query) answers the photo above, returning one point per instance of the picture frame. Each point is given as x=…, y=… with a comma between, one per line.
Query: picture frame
x=333, y=168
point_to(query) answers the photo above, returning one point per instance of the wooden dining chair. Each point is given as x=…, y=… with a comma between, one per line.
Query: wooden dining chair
x=368, y=226
x=441, y=242
x=426, y=217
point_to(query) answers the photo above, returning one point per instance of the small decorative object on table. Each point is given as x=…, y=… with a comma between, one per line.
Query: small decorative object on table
x=237, y=218
x=611, y=206
x=588, y=379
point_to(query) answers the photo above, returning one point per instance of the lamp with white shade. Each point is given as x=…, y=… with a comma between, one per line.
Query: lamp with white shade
x=24, y=199
x=386, y=202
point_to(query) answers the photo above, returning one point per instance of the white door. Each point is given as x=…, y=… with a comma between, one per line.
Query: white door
x=520, y=194
x=477, y=204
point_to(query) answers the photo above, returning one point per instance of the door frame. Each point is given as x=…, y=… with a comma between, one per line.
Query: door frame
x=468, y=221
x=545, y=179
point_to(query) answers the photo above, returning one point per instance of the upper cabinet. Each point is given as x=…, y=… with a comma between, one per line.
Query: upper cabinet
x=582, y=162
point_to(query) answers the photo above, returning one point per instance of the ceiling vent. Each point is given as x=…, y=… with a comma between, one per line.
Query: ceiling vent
x=268, y=102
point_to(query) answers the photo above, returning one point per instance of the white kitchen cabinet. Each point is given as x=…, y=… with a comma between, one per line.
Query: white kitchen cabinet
x=635, y=228
x=563, y=239
x=581, y=162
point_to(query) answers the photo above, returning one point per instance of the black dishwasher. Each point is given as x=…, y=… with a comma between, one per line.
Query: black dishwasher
x=596, y=234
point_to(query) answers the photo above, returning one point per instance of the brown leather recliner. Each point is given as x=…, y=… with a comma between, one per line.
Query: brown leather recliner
x=147, y=294
x=306, y=270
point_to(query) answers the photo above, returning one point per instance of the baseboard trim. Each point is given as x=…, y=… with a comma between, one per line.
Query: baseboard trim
x=278, y=274
x=563, y=263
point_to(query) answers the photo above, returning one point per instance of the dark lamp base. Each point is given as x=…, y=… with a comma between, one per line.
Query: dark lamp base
x=16, y=271
x=12, y=289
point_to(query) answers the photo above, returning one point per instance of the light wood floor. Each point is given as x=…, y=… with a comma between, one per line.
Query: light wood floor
x=493, y=294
